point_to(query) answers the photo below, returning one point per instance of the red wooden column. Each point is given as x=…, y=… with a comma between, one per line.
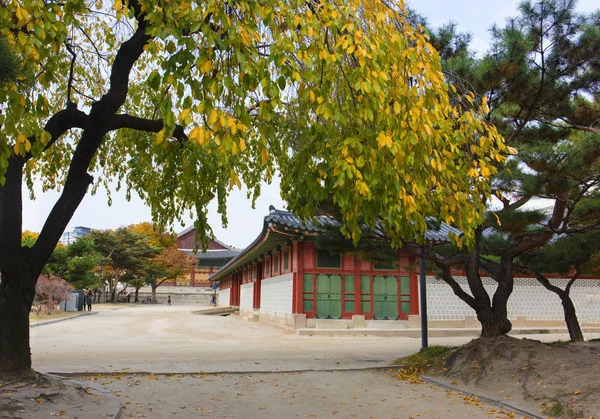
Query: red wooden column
x=238, y=289
x=257, y=285
x=230, y=280
x=298, y=294
x=235, y=288
x=357, y=291
x=414, y=286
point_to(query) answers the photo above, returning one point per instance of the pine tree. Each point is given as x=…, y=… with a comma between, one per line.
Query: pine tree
x=541, y=79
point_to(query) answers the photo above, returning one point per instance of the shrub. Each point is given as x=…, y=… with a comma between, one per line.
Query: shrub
x=49, y=292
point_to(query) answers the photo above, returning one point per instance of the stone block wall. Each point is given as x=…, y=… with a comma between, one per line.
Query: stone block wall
x=179, y=295
x=529, y=299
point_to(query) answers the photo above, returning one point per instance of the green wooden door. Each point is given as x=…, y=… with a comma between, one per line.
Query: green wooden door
x=385, y=298
x=329, y=296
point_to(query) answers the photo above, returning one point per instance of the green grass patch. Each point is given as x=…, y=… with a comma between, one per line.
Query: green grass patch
x=557, y=410
x=428, y=359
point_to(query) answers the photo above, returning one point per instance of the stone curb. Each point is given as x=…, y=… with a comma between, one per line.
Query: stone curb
x=113, y=403
x=234, y=372
x=89, y=313
x=486, y=399
x=433, y=333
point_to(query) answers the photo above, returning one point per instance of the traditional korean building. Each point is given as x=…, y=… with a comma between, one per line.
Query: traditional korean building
x=210, y=261
x=284, y=279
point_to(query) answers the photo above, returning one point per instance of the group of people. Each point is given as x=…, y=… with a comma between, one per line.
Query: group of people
x=88, y=299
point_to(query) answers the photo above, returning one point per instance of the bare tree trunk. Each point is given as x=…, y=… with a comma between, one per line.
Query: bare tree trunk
x=154, y=286
x=15, y=304
x=136, y=299
x=571, y=319
x=493, y=324
x=17, y=277
x=113, y=291
x=494, y=318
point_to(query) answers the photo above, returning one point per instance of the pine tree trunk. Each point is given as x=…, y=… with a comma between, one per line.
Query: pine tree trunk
x=493, y=324
x=136, y=299
x=15, y=305
x=575, y=332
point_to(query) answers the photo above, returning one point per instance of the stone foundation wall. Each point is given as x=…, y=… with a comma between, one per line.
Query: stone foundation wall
x=529, y=299
x=179, y=295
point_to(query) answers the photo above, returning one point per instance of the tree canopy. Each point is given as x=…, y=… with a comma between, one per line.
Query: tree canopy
x=351, y=87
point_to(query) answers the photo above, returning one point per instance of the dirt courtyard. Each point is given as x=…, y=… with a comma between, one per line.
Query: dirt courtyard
x=173, y=340
x=315, y=394
x=165, y=361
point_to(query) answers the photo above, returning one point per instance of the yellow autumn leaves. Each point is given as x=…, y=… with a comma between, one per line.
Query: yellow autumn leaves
x=22, y=15
x=220, y=127
x=22, y=145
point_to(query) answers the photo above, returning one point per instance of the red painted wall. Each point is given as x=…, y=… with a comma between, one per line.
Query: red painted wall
x=188, y=241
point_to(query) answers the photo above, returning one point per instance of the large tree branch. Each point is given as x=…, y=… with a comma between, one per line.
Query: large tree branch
x=457, y=289
x=472, y=271
x=573, y=126
x=414, y=249
x=129, y=52
x=97, y=125
x=59, y=124
x=539, y=239
x=146, y=125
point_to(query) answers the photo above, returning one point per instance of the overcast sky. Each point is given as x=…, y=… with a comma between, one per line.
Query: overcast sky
x=473, y=16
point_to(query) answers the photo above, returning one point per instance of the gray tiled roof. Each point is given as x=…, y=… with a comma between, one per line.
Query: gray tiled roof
x=288, y=219
x=211, y=254
x=441, y=233
x=321, y=222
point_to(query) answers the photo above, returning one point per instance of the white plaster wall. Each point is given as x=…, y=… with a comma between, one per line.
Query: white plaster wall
x=224, y=297
x=529, y=299
x=276, y=294
x=247, y=296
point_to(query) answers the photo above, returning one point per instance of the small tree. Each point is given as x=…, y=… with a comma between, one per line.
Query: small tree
x=125, y=253
x=75, y=263
x=169, y=263
x=50, y=290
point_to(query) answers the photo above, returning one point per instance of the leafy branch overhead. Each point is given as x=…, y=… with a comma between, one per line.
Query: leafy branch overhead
x=181, y=101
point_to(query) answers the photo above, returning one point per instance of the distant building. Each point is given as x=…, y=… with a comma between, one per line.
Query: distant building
x=216, y=256
x=70, y=237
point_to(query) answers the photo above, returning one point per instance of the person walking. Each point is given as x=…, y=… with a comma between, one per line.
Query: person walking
x=169, y=300
x=90, y=297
